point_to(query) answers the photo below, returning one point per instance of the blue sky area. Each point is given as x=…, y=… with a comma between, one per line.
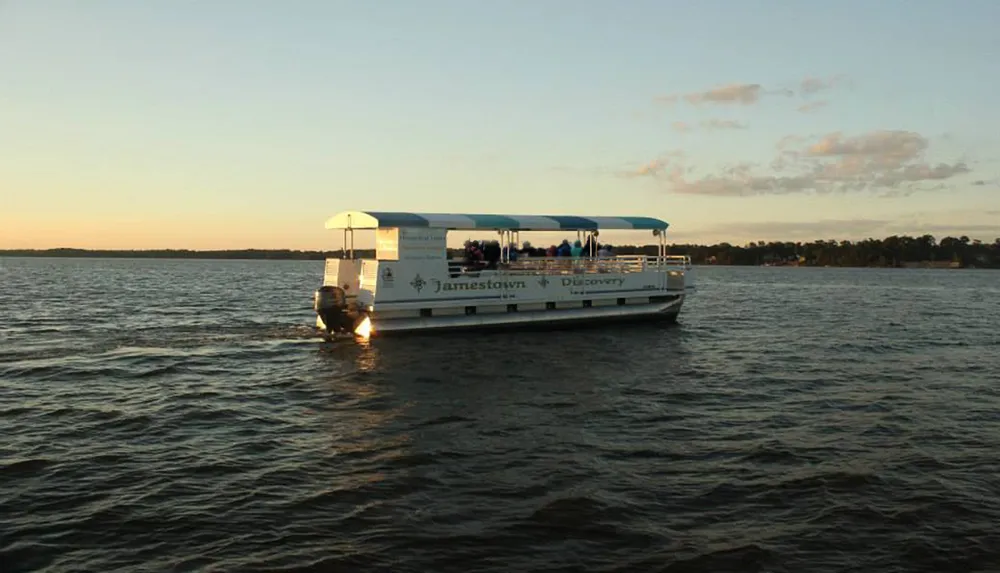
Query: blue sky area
x=236, y=123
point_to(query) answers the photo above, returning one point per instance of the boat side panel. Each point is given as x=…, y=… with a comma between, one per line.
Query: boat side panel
x=665, y=311
x=422, y=284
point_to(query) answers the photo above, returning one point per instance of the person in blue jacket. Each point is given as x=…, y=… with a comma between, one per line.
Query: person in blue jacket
x=564, y=249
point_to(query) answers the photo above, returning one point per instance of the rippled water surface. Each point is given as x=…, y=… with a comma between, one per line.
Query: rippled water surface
x=181, y=416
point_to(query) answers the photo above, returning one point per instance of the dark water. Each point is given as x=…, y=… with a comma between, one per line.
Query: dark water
x=179, y=416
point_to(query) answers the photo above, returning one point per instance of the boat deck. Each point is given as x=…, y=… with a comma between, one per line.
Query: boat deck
x=577, y=265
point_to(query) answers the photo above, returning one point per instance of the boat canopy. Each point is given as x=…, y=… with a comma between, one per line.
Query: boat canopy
x=468, y=222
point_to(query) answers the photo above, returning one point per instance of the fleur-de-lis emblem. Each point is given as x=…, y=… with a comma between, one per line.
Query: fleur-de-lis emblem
x=418, y=283
x=544, y=282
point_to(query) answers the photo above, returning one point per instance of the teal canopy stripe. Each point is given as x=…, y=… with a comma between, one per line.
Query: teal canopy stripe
x=494, y=222
x=646, y=223
x=570, y=223
x=480, y=221
x=394, y=219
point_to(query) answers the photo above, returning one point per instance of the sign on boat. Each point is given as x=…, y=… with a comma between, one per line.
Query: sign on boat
x=411, y=285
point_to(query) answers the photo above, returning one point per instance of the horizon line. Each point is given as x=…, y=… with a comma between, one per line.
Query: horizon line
x=286, y=249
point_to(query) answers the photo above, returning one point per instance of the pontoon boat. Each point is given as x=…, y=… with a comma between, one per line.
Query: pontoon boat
x=411, y=285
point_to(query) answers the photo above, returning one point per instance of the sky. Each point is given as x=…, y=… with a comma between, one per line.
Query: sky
x=246, y=124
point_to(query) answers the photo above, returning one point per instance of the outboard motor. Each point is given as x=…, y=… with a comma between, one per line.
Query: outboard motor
x=330, y=303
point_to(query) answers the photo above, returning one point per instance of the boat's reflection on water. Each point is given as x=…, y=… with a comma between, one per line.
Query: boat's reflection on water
x=465, y=373
x=445, y=352
x=411, y=413
x=360, y=409
x=359, y=351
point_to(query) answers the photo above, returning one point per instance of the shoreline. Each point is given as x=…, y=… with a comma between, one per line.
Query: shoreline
x=291, y=255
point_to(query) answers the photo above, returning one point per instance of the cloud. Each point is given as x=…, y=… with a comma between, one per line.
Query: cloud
x=890, y=146
x=880, y=162
x=739, y=232
x=742, y=94
x=708, y=124
x=781, y=92
x=984, y=182
x=656, y=166
x=790, y=140
x=812, y=106
x=942, y=230
x=780, y=230
x=722, y=124
x=746, y=94
x=651, y=168
x=731, y=94
x=811, y=85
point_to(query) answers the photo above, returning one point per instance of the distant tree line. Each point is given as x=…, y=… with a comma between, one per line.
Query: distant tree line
x=894, y=251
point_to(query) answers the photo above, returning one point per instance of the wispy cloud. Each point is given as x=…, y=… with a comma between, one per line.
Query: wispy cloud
x=812, y=106
x=741, y=94
x=722, y=124
x=707, y=124
x=731, y=94
x=811, y=85
x=788, y=141
x=651, y=168
x=880, y=162
x=656, y=166
x=941, y=230
x=807, y=230
x=746, y=94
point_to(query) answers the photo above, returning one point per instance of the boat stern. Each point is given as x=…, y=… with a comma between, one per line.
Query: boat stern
x=343, y=303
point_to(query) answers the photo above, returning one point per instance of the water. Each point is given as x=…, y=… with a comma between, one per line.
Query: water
x=181, y=416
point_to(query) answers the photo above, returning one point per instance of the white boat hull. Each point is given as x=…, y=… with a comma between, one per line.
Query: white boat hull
x=666, y=311
x=400, y=296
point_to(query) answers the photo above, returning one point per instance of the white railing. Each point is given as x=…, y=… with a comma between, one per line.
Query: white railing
x=677, y=260
x=578, y=265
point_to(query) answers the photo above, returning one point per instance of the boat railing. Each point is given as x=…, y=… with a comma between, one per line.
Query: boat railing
x=676, y=260
x=579, y=265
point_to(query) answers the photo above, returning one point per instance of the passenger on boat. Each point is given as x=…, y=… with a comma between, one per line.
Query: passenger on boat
x=604, y=265
x=576, y=250
x=491, y=253
x=552, y=251
x=527, y=250
x=511, y=252
x=473, y=255
x=564, y=249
